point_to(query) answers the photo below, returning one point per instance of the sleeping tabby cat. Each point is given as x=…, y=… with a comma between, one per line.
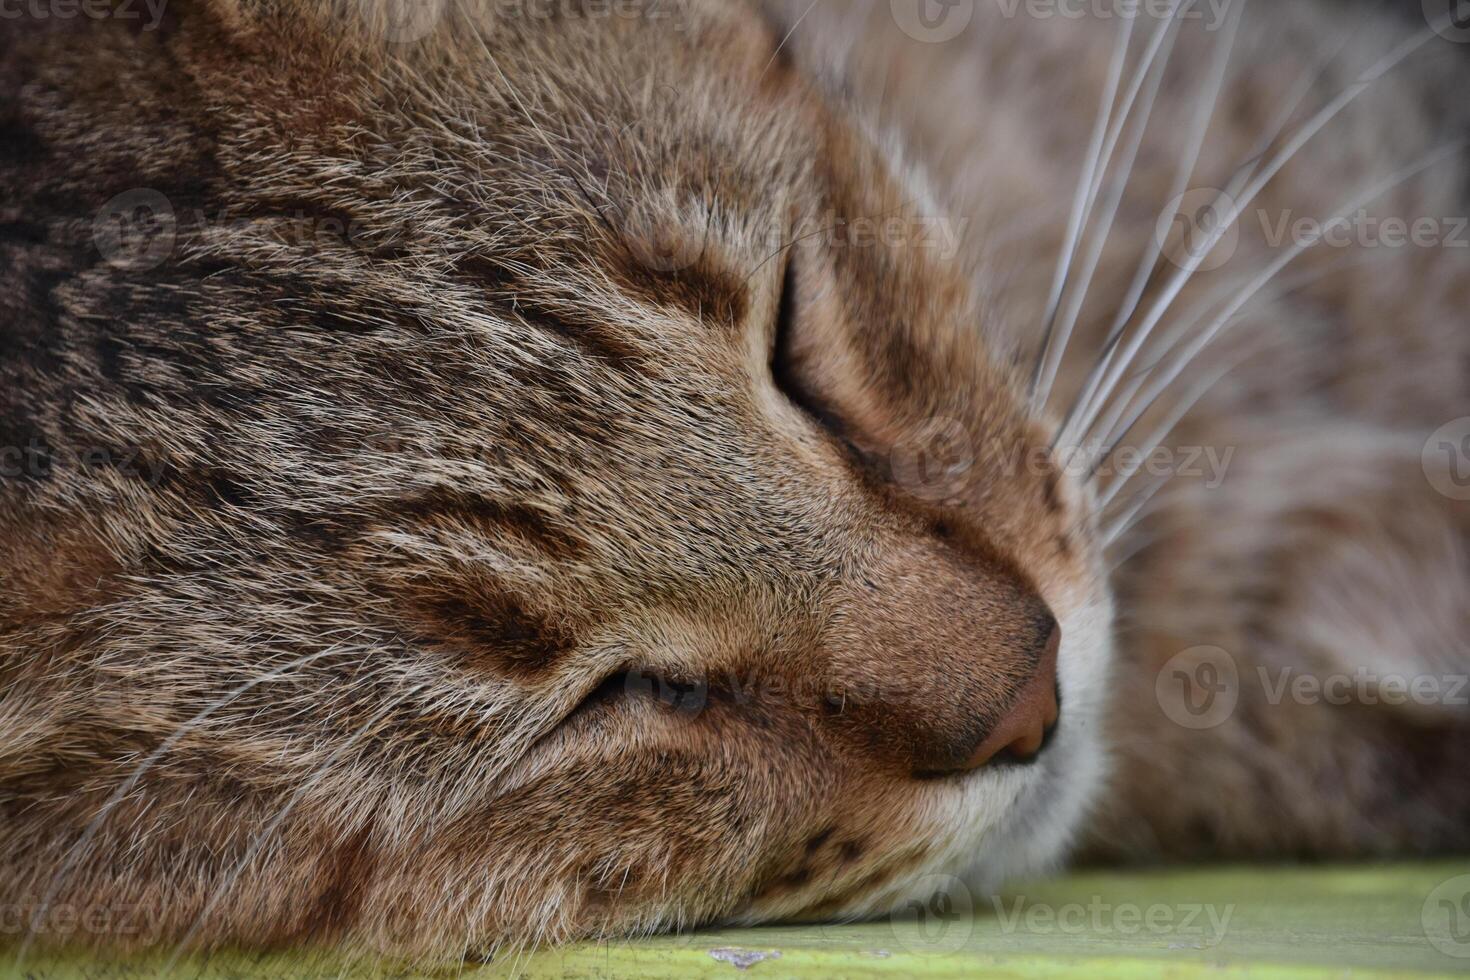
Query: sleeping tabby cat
x=498, y=471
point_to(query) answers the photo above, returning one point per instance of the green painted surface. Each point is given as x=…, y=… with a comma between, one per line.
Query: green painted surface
x=1393, y=921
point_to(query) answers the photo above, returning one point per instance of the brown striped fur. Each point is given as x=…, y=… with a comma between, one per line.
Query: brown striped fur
x=438, y=548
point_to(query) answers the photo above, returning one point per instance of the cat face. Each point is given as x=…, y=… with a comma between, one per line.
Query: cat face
x=573, y=496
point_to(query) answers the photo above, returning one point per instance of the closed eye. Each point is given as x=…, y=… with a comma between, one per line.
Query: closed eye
x=684, y=697
x=784, y=359
x=609, y=692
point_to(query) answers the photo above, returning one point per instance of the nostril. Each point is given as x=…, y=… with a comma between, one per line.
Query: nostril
x=1026, y=727
x=1029, y=746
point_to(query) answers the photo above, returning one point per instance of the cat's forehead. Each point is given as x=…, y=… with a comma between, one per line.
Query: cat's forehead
x=594, y=218
x=658, y=158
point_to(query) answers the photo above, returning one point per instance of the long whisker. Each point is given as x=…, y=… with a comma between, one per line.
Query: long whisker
x=1106, y=382
x=1136, y=503
x=1157, y=437
x=1080, y=199
x=1190, y=159
x=1142, y=541
x=1249, y=193
x=1153, y=69
x=1176, y=337
x=1120, y=404
x=1205, y=336
x=777, y=53
x=1090, y=403
x=1289, y=106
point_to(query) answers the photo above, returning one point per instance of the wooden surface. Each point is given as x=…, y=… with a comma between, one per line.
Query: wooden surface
x=1362, y=922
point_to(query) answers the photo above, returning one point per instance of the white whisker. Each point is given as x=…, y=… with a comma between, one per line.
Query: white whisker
x=1157, y=437
x=1108, y=381
x=1153, y=69
x=1125, y=519
x=775, y=54
x=1173, y=340
x=1162, y=381
x=1080, y=199
x=1249, y=193
x=1139, y=544
x=1188, y=161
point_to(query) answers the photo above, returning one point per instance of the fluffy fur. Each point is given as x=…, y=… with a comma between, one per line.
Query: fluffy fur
x=508, y=501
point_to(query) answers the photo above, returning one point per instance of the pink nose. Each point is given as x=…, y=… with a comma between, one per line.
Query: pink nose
x=952, y=663
x=1021, y=732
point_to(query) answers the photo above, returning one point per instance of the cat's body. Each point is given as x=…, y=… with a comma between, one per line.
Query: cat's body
x=447, y=403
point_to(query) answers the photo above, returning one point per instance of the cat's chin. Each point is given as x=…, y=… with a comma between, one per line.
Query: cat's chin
x=1037, y=830
x=1037, y=834
x=1033, y=830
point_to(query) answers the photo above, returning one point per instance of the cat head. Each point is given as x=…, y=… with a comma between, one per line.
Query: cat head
x=556, y=481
